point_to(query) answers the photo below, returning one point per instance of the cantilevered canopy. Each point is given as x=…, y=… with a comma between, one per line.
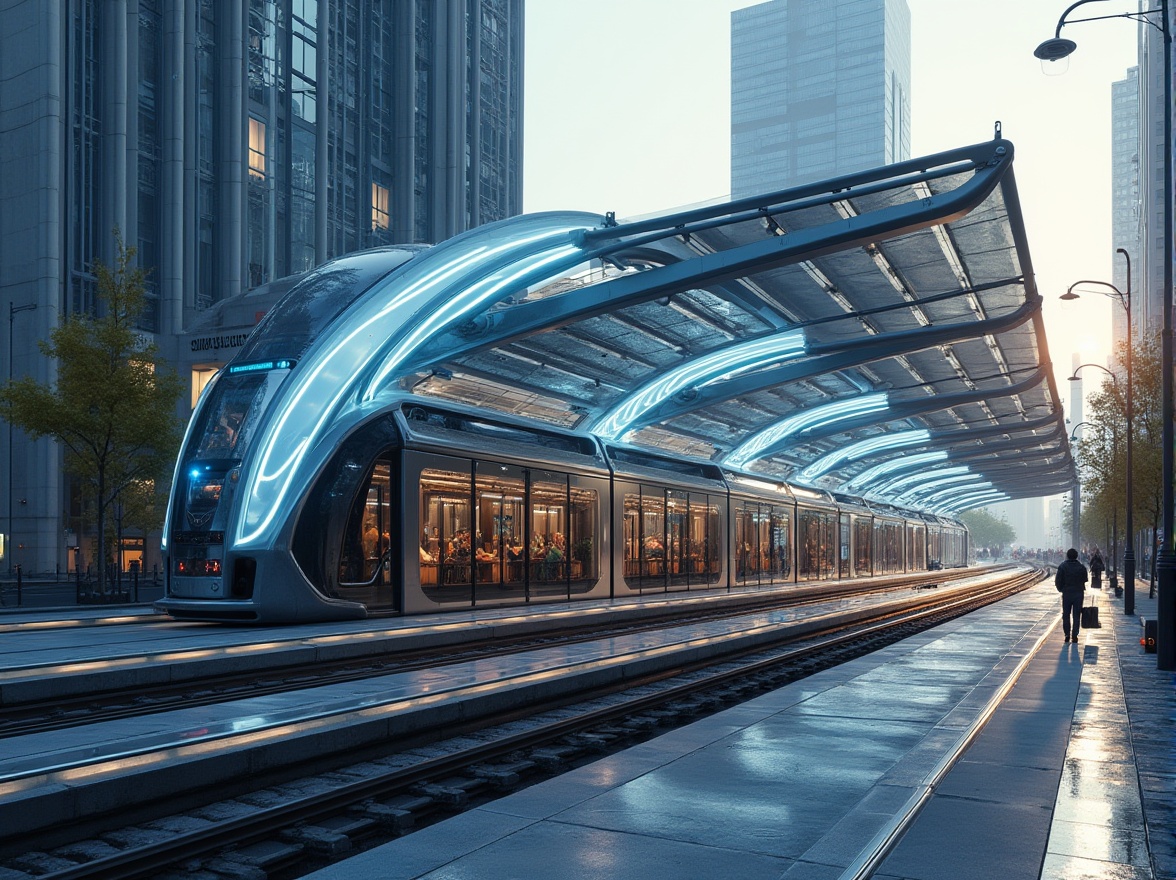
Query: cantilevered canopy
x=846, y=335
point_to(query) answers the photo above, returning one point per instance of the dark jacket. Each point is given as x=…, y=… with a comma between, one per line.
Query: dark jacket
x=1070, y=577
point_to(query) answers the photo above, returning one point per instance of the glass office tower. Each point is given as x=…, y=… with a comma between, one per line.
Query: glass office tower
x=233, y=142
x=817, y=90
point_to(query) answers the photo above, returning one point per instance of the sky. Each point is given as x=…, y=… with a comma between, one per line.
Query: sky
x=628, y=110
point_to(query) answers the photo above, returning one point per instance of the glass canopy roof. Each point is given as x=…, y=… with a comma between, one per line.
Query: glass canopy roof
x=877, y=334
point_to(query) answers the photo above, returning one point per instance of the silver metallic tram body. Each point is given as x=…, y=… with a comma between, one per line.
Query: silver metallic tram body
x=558, y=406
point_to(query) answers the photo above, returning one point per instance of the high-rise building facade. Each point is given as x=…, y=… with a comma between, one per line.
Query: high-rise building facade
x=1148, y=280
x=818, y=90
x=232, y=142
x=1125, y=189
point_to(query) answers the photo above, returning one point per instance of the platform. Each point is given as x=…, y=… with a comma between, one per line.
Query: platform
x=985, y=747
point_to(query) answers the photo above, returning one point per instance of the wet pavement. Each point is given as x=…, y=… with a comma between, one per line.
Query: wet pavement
x=1060, y=756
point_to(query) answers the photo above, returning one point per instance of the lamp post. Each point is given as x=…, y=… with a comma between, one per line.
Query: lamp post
x=12, y=310
x=1128, y=555
x=1055, y=50
x=1129, y=550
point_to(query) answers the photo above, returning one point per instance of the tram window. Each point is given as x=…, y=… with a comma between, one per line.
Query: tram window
x=632, y=534
x=548, y=550
x=862, y=545
x=582, y=533
x=781, y=550
x=653, y=535
x=746, y=551
x=445, y=518
x=677, y=513
x=816, y=540
x=366, y=552
x=500, y=492
x=703, y=547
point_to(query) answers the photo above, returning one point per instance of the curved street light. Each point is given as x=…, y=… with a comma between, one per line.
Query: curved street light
x=1054, y=50
x=1129, y=551
x=1124, y=300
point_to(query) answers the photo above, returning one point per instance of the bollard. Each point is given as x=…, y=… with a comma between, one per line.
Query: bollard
x=19, y=587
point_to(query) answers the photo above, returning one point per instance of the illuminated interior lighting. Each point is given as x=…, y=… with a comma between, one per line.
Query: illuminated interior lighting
x=700, y=372
x=759, y=484
x=861, y=449
x=817, y=417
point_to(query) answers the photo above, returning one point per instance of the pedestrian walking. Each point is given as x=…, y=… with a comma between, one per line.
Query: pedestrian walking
x=1070, y=579
x=1097, y=567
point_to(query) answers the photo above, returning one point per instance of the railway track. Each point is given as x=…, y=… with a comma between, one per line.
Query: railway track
x=215, y=686
x=320, y=811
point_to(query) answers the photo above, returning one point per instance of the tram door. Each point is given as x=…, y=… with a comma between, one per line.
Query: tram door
x=366, y=564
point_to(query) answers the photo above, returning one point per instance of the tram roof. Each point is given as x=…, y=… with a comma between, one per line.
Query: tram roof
x=877, y=334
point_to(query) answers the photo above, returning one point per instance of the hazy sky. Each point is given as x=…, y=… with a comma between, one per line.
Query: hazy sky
x=628, y=110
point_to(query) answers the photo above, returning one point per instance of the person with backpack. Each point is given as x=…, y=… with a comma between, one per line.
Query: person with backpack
x=1070, y=580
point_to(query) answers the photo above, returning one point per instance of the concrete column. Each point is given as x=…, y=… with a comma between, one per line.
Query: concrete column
x=114, y=125
x=233, y=139
x=322, y=123
x=171, y=107
x=190, y=214
x=452, y=135
x=403, y=196
x=131, y=230
x=472, y=176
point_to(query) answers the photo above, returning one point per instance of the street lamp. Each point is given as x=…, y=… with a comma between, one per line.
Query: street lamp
x=1129, y=551
x=12, y=310
x=1054, y=50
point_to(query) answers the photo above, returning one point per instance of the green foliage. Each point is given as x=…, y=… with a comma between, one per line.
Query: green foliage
x=1102, y=452
x=112, y=406
x=987, y=530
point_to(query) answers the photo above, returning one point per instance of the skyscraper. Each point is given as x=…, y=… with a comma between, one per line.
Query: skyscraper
x=1125, y=189
x=817, y=90
x=232, y=142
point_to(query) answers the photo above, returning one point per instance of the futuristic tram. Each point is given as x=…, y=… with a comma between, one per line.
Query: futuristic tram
x=806, y=385
x=419, y=508
x=426, y=509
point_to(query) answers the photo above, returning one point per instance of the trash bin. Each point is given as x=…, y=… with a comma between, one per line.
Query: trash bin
x=1151, y=629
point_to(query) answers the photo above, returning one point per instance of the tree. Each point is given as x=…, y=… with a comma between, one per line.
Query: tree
x=113, y=405
x=1102, y=451
x=987, y=530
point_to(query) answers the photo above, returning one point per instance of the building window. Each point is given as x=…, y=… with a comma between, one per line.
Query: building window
x=379, y=207
x=257, y=148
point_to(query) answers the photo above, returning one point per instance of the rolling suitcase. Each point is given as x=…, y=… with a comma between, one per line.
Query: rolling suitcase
x=1090, y=616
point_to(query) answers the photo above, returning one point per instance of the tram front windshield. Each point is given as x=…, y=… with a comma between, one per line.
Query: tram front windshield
x=233, y=415
x=228, y=425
